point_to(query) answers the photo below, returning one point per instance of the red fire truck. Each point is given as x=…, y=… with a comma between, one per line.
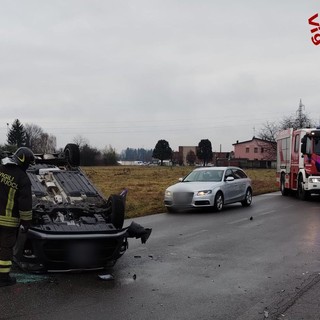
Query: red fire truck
x=298, y=161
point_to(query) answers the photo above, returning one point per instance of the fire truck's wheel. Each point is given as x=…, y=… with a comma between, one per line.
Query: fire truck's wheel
x=116, y=208
x=248, y=199
x=283, y=189
x=302, y=194
x=218, y=202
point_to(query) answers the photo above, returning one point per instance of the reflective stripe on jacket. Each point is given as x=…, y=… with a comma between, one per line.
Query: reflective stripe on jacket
x=15, y=196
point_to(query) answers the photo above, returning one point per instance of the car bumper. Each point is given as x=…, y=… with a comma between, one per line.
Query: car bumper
x=192, y=202
x=313, y=184
x=63, y=251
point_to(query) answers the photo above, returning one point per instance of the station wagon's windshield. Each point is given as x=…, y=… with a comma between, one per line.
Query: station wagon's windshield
x=204, y=175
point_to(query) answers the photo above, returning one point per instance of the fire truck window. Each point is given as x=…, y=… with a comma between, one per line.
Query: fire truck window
x=297, y=143
x=317, y=146
x=308, y=146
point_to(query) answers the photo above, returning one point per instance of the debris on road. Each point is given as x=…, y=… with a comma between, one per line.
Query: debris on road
x=106, y=277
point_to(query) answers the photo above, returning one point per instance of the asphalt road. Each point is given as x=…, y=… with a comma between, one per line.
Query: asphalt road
x=243, y=263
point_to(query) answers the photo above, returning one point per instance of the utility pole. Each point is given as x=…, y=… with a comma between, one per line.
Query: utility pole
x=300, y=115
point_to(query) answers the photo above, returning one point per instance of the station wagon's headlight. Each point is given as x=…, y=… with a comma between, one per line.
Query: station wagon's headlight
x=168, y=193
x=314, y=180
x=204, y=192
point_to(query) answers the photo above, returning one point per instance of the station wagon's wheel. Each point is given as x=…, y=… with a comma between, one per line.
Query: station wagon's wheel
x=248, y=198
x=218, y=202
x=116, y=208
x=72, y=154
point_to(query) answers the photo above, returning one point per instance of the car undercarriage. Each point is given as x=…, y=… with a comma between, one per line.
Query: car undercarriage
x=74, y=227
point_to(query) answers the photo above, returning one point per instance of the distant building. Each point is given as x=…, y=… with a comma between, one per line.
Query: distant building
x=181, y=156
x=254, y=153
x=255, y=149
x=183, y=152
x=259, y=152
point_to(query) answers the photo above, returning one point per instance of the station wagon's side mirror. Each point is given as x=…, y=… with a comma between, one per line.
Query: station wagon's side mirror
x=180, y=179
x=230, y=179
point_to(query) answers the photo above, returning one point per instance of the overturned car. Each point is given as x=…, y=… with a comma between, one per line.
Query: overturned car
x=74, y=227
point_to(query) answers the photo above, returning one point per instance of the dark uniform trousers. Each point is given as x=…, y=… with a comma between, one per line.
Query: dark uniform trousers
x=8, y=237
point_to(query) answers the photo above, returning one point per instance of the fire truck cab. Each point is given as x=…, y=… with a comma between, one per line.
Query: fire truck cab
x=298, y=161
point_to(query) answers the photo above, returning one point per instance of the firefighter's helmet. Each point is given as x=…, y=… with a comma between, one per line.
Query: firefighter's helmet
x=23, y=157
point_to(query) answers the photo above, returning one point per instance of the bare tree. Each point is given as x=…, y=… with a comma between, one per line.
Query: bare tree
x=33, y=135
x=80, y=141
x=270, y=130
x=48, y=143
x=298, y=120
x=38, y=140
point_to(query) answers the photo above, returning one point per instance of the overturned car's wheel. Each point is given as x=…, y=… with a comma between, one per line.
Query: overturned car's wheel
x=72, y=154
x=116, y=210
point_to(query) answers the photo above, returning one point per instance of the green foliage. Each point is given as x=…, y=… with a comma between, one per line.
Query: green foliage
x=16, y=135
x=204, y=151
x=89, y=156
x=191, y=158
x=162, y=151
x=110, y=157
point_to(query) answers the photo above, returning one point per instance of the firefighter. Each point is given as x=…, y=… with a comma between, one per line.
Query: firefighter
x=15, y=207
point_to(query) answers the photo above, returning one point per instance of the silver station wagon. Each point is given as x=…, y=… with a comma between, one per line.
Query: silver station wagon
x=209, y=187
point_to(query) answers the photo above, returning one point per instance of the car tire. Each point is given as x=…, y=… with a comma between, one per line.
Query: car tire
x=72, y=154
x=218, y=202
x=283, y=189
x=248, y=198
x=116, y=209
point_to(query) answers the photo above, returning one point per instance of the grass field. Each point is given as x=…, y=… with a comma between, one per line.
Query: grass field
x=146, y=185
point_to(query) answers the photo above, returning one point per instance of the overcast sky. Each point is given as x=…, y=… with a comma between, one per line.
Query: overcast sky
x=129, y=73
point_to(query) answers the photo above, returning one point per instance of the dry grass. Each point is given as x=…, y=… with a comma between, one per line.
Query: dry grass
x=146, y=185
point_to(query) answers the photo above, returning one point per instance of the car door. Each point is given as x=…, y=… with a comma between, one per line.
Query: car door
x=240, y=184
x=230, y=187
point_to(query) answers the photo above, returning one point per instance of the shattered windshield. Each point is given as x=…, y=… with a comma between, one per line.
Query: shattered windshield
x=204, y=175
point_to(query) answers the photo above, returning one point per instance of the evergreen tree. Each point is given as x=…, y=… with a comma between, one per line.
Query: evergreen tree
x=191, y=158
x=162, y=151
x=204, y=151
x=16, y=135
